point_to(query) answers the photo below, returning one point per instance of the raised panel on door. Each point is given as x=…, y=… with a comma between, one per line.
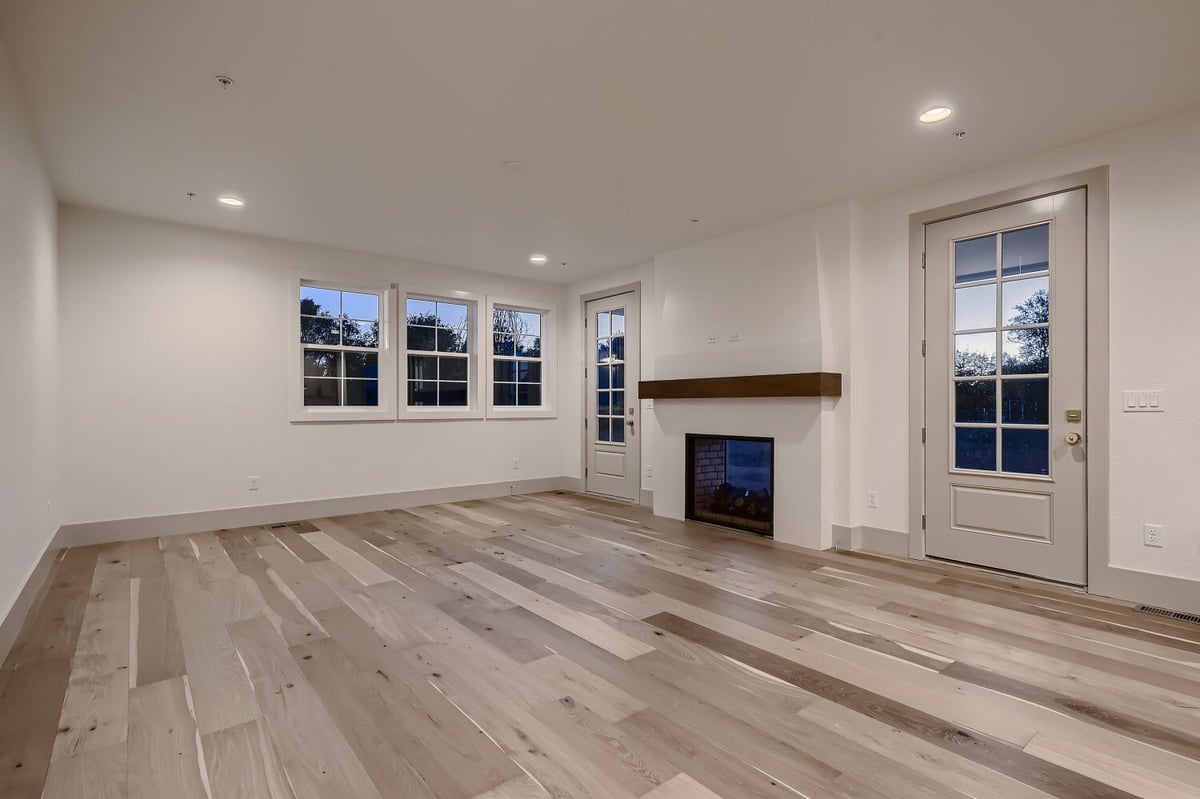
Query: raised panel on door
x=1005, y=465
x=612, y=420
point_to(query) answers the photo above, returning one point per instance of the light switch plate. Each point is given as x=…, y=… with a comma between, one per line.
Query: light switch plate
x=1142, y=401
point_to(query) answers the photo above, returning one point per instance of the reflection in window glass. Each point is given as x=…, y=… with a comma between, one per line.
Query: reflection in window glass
x=975, y=448
x=443, y=329
x=1026, y=251
x=975, y=401
x=975, y=259
x=1027, y=352
x=1026, y=401
x=1027, y=302
x=1026, y=451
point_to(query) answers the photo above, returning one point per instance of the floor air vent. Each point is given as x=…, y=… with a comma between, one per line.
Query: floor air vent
x=1170, y=614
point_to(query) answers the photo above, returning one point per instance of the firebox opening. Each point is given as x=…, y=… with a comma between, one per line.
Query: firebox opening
x=731, y=481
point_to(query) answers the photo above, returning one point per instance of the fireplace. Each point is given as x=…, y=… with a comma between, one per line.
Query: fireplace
x=731, y=482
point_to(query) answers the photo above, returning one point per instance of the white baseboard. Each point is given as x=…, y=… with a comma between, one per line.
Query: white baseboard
x=10, y=626
x=87, y=533
x=871, y=539
x=647, y=498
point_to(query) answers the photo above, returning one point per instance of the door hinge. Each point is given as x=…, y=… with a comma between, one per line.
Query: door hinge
x=922, y=521
x=922, y=435
x=585, y=421
x=922, y=348
x=922, y=260
x=585, y=471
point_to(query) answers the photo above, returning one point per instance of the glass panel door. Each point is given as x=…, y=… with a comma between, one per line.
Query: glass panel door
x=610, y=376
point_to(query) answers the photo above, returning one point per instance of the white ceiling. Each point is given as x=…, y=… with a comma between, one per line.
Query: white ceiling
x=383, y=125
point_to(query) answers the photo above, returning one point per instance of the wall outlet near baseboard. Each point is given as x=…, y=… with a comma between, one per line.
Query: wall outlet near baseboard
x=649, y=470
x=516, y=463
x=872, y=499
x=252, y=482
x=1152, y=535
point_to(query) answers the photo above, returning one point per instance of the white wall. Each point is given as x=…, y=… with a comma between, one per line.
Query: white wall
x=1155, y=283
x=28, y=442
x=175, y=347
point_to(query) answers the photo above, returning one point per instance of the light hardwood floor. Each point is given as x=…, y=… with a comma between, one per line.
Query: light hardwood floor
x=565, y=646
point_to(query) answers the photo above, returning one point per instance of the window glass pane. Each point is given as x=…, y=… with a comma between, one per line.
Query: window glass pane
x=618, y=376
x=504, y=371
x=603, y=351
x=602, y=428
x=975, y=354
x=529, y=346
x=1026, y=401
x=1027, y=302
x=449, y=340
x=321, y=391
x=618, y=402
x=421, y=338
x=603, y=327
x=529, y=324
x=422, y=312
x=975, y=401
x=1026, y=251
x=452, y=394
x=618, y=348
x=1026, y=451
x=364, y=307
x=975, y=307
x=452, y=315
x=503, y=344
x=321, y=363
x=1027, y=352
x=975, y=448
x=360, y=334
x=504, y=393
x=618, y=431
x=362, y=392
x=320, y=330
x=422, y=392
x=320, y=302
x=618, y=322
x=452, y=369
x=422, y=367
x=362, y=364
x=602, y=376
x=975, y=259
x=603, y=401
x=529, y=394
x=529, y=371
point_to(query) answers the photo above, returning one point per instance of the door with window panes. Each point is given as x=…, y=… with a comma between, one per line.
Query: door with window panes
x=612, y=422
x=1005, y=385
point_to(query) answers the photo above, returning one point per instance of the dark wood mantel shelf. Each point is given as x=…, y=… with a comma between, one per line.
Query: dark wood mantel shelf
x=800, y=384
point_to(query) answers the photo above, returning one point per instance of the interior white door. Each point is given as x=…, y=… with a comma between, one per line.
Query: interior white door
x=1005, y=388
x=611, y=425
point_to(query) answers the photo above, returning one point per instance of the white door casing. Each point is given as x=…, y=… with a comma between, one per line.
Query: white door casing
x=1005, y=388
x=612, y=425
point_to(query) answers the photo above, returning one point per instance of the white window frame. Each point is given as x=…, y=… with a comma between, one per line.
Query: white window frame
x=475, y=369
x=386, y=410
x=547, y=410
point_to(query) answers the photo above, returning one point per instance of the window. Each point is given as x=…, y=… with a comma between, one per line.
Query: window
x=516, y=358
x=440, y=355
x=520, y=360
x=341, y=363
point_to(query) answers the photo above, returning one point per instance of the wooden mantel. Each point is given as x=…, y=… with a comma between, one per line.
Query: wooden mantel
x=799, y=384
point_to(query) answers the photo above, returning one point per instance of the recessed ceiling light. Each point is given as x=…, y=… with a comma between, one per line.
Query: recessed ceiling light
x=229, y=201
x=537, y=259
x=939, y=113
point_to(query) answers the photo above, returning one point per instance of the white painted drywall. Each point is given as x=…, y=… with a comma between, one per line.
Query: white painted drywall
x=1155, y=283
x=28, y=360
x=175, y=346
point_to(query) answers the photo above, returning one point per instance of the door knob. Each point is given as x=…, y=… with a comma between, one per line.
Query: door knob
x=1074, y=438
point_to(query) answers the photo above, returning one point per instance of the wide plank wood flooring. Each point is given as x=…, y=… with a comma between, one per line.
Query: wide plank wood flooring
x=559, y=645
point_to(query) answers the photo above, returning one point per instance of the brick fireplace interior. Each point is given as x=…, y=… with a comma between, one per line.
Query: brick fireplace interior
x=730, y=481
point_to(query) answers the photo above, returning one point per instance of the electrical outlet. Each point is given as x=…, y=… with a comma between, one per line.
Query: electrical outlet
x=516, y=463
x=252, y=482
x=649, y=470
x=872, y=499
x=735, y=338
x=49, y=512
x=649, y=404
x=712, y=340
x=1152, y=535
